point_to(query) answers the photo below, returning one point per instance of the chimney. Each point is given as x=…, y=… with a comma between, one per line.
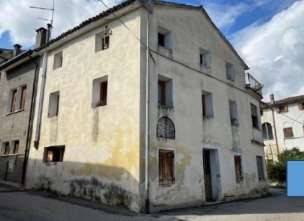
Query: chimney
x=49, y=32
x=17, y=50
x=41, y=37
x=272, y=99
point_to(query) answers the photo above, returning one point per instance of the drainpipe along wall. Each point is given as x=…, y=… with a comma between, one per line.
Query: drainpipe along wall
x=30, y=123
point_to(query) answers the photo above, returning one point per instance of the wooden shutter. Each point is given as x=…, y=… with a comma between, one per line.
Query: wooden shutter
x=166, y=167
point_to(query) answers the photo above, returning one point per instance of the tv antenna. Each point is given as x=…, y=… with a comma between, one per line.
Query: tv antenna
x=46, y=9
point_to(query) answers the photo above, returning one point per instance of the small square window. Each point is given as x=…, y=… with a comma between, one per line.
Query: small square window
x=53, y=154
x=54, y=104
x=230, y=72
x=164, y=38
x=102, y=41
x=283, y=109
x=58, y=57
x=288, y=132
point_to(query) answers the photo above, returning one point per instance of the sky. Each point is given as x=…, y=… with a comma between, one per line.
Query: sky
x=268, y=34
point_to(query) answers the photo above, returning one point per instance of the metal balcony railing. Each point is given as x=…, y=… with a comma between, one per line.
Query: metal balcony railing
x=254, y=84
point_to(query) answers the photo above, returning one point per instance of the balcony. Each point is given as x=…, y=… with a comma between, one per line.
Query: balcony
x=253, y=84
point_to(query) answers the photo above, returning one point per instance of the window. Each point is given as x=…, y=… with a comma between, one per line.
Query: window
x=54, y=104
x=288, y=132
x=100, y=92
x=238, y=168
x=102, y=40
x=13, y=105
x=283, y=109
x=22, y=97
x=205, y=59
x=166, y=167
x=233, y=113
x=254, y=116
x=164, y=38
x=207, y=105
x=230, y=72
x=53, y=154
x=15, y=146
x=165, y=128
x=165, y=88
x=301, y=106
x=5, y=148
x=267, y=131
x=260, y=167
x=57, y=60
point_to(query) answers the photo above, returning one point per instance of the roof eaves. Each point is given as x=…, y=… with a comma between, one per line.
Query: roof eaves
x=89, y=21
x=15, y=59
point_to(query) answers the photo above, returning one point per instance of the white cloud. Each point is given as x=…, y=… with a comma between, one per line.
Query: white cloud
x=275, y=51
x=225, y=15
x=21, y=22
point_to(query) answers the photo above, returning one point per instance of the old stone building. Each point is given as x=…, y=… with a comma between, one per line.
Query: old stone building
x=283, y=125
x=18, y=84
x=147, y=106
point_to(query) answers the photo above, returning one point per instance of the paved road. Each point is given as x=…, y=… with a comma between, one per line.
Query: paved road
x=23, y=206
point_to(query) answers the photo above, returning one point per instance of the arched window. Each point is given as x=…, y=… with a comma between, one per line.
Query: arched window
x=267, y=131
x=165, y=128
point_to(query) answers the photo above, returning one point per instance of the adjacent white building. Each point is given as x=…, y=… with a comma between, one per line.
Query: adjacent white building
x=147, y=106
x=283, y=125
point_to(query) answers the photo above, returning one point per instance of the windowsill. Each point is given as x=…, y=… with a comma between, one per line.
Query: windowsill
x=293, y=138
x=165, y=107
x=100, y=105
x=205, y=118
x=257, y=142
x=15, y=112
x=52, y=163
x=11, y=155
x=53, y=117
x=166, y=185
x=166, y=51
x=255, y=128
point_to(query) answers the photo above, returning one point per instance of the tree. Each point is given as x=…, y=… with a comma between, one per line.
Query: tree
x=277, y=170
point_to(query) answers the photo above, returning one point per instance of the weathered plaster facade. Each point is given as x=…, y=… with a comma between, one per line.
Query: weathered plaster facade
x=14, y=125
x=104, y=156
x=293, y=118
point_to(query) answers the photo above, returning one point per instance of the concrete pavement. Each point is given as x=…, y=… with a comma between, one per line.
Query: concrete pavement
x=24, y=206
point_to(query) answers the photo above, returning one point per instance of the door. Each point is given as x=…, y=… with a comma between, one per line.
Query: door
x=207, y=175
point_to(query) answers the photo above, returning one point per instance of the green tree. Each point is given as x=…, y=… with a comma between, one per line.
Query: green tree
x=277, y=170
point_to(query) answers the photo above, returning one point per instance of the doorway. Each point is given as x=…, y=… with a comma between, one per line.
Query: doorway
x=211, y=174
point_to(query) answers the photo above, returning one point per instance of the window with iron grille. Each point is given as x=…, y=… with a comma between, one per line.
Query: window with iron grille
x=165, y=128
x=166, y=167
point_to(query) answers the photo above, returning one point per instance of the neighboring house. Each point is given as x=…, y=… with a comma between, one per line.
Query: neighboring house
x=283, y=125
x=17, y=92
x=169, y=125
x=5, y=54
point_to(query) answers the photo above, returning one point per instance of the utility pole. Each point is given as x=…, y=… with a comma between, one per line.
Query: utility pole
x=274, y=122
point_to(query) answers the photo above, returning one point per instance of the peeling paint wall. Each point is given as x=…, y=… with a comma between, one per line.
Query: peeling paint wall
x=190, y=31
x=101, y=158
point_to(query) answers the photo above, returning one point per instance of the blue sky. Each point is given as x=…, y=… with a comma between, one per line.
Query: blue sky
x=268, y=34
